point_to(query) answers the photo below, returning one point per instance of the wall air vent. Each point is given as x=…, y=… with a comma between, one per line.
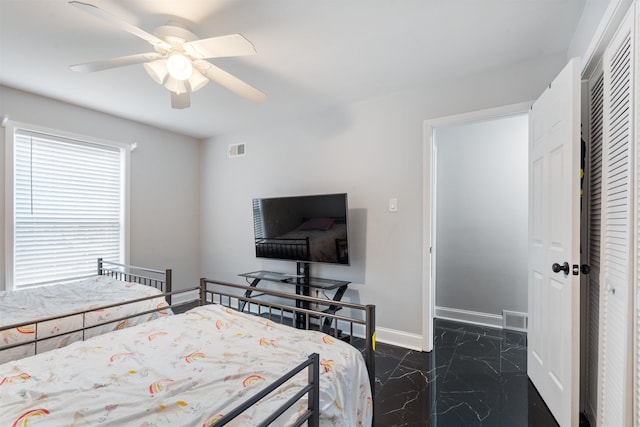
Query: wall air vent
x=237, y=150
x=514, y=320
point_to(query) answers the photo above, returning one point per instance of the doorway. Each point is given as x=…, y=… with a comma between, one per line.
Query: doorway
x=475, y=197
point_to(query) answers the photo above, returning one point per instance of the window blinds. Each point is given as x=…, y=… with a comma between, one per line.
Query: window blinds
x=68, y=207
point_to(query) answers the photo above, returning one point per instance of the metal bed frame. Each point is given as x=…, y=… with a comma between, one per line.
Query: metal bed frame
x=83, y=313
x=158, y=279
x=311, y=415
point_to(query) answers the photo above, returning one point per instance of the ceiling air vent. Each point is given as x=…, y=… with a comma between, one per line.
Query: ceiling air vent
x=236, y=150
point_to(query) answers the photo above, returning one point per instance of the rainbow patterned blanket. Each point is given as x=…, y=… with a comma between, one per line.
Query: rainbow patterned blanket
x=183, y=370
x=32, y=304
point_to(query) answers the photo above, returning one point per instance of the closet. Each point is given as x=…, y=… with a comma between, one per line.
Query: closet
x=592, y=206
x=612, y=372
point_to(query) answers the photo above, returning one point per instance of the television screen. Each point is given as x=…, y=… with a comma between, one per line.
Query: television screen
x=302, y=228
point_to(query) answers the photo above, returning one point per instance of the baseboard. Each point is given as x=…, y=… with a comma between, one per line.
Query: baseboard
x=185, y=297
x=399, y=338
x=474, y=317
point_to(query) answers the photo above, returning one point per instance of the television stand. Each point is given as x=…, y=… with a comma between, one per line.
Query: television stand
x=303, y=283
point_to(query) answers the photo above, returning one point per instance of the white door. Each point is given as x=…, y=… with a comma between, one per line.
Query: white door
x=616, y=272
x=553, y=354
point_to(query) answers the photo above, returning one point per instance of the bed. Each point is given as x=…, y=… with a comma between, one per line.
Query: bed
x=317, y=239
x=38, y=316
x=209, y=366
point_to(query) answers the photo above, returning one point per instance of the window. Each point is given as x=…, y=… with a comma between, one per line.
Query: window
x=67, y=200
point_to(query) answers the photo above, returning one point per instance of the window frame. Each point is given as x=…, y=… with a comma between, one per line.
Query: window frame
x=11, y=128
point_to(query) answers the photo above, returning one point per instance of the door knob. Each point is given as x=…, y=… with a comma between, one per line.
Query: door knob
x=557, y=268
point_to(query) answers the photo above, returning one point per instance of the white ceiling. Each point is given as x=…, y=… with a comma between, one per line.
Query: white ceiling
x=312, y=54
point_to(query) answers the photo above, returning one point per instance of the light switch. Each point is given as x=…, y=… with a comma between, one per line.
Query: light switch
x=393, y=205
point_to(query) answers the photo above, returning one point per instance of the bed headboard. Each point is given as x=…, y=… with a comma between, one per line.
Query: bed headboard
x=130, y=273
x=358, y=317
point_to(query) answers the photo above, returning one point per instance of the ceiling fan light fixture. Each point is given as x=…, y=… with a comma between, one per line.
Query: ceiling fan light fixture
x=179, y=66
x=180, y=58
x=175, y=85
x=197, y=80
x=157, y=70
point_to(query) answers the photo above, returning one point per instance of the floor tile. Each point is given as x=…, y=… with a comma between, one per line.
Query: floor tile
x=475, y=376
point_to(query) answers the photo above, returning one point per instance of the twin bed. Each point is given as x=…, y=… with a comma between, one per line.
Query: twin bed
x=209, y=366
x=100, y=303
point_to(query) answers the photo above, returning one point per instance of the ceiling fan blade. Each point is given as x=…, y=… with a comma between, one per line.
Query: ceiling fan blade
x=121, y=61
x=96, y=11
x=220, y=47
x=229, y=81
x=180, y=101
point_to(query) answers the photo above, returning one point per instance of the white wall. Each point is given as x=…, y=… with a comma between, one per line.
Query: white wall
x=165, y=186
x=590, y=19
x=371, y=150
x=598, y=22
x=482, y=215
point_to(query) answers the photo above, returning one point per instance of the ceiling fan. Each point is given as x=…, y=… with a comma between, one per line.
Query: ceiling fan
x=179, y=61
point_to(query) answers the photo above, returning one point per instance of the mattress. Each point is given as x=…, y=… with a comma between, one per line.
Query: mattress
x=184, y=370
x=32, y=304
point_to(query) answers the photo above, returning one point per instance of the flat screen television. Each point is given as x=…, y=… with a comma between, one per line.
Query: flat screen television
x=310, y=228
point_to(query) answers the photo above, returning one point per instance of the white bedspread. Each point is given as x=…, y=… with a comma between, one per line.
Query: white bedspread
x=32, y=304
x=183, y=370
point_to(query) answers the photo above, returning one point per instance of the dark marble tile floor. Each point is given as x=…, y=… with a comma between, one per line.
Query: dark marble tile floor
x=475, y=376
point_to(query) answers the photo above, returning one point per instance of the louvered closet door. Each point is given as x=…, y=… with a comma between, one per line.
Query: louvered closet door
x=636, y=113
x=594, y=195
x=615, y=374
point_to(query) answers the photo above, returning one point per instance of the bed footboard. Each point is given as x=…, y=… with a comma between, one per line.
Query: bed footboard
x=310, y=416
